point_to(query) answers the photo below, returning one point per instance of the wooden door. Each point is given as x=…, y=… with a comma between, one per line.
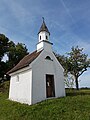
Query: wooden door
x=50, y=89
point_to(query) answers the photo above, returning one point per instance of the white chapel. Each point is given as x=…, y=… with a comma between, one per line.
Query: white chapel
x=39, y=75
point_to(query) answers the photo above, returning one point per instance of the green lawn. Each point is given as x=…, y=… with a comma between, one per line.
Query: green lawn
x=76, y=106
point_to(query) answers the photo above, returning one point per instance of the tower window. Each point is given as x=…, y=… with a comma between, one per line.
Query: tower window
x=40, y=37
x=46, y=37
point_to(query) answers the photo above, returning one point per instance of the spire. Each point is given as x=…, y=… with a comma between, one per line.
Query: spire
x=43, y=19
x=43, y=27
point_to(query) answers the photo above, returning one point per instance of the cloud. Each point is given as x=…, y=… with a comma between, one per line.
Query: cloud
x=85, y=79
x=67, y=10
x=85, y=45
x=17, y=10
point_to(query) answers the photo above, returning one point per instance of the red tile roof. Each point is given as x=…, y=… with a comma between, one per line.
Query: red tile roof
x=25, y=61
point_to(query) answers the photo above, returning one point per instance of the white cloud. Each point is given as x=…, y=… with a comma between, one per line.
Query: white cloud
x=85, y=79
x=85, y=45
x=20, y=13
x=67, y=10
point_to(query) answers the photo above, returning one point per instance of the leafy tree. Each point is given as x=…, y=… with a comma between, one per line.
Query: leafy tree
x=21, y=51
x=76, y=63
x=2, y=69
x=4, y=44
x=69, y=80
x=15, y=53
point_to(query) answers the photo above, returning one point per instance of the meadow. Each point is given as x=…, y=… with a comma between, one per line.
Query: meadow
x=75, y=106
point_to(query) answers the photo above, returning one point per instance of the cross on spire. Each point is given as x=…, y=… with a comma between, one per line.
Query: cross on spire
x=43, y=19
x=43, y=27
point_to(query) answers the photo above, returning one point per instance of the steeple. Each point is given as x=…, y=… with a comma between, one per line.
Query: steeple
x=43, y=27
x=43, y=37
x=43, y=33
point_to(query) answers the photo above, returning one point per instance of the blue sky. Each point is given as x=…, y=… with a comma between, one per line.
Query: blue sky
x=68, y=22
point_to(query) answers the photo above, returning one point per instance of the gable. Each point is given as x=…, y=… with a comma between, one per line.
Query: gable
x=25, y=61
x=49, y=58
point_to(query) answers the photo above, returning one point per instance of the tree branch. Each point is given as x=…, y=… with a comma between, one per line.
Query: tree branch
x=82, y=72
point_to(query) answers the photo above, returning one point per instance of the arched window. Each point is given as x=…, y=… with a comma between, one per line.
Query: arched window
x=48, y=58
x=40, y=37
x=46, y=37
x=17, y=80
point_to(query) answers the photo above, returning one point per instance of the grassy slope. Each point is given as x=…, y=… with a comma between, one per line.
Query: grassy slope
x=75, y=106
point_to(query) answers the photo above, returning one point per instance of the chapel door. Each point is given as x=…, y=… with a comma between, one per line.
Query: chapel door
x=50, y=89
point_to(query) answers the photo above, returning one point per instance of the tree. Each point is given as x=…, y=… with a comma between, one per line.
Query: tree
x=21, y=51
x=76, y=63
x=15, y=53
x=2, y=69
x=69, y=80
x=4, y=44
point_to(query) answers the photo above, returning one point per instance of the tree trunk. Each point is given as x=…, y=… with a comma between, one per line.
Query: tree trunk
x=76, y=80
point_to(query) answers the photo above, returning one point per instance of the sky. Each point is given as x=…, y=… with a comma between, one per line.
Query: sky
x=67, y=20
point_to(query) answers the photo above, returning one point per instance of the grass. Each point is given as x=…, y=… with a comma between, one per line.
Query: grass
x=76, y=106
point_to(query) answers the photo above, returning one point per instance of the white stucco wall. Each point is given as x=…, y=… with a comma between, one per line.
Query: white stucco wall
x=21, y=91
x=41, y=67
x=45, y=46
x=31, y=87
x=42, y=44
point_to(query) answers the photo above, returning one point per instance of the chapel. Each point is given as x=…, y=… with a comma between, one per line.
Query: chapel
x=39, y=75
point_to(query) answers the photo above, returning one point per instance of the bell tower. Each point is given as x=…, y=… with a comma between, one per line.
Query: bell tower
x=43, y=33
x=44, y=38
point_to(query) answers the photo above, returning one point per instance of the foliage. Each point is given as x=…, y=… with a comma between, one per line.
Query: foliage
x=69, y=80
x=4, y=43
x=76, y=63
x=62, y=59
x=75, y=107
x=2, y=69
x=4, y=87
x=15, y=53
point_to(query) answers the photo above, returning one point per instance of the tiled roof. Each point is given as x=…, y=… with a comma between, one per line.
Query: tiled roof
x=25, y=61
x=43, y=28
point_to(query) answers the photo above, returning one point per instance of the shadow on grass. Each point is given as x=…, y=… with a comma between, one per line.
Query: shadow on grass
x=74, y=92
